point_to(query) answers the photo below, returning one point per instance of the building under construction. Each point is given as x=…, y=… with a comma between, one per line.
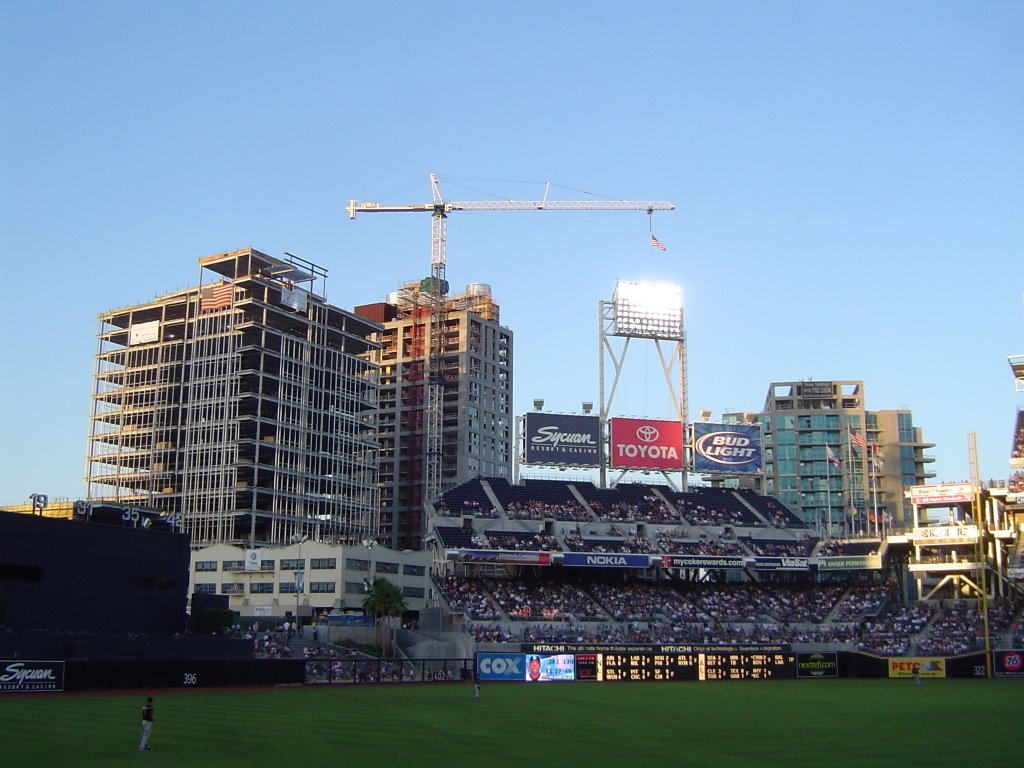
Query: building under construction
x=246, y=405
x=476, y=398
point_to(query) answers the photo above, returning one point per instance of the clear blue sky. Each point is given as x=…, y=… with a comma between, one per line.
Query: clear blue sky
x=848, y=175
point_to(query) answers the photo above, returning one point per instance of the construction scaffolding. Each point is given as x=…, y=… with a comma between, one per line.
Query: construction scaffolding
x=246, y=404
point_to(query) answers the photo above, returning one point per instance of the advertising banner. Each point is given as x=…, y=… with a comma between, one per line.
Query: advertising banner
x=938, y=495
x=596, y=560
x=817, y=664
x=1008, y=664
x=18, y=676
x=553, y=438
x=850, y=563
x=144, y=333
x=504, y=556
x=252, y=560
x=781, y=563
x=646, y=444
x=926, y=667
x=946, y=534
x=501, y=666
x=726, y=448
x=702, y=561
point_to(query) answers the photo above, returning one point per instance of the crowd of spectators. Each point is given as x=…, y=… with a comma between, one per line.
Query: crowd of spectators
x=890, y=633
x=840, y=547
x=640, y=602
x=466, y=596
x=782, y=548
x=535, y=509
x=696, y=513
x=630, y=545
x=542, y=601
x=523, y=540
x=272, y=643
x=643, y=612
x=467, y=507
x=957, y=629
x=862, y=601
x=648, y=509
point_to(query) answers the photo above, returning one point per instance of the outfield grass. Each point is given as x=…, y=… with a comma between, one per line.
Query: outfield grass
x=791, y=724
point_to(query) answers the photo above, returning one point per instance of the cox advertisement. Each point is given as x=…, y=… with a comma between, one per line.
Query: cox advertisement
x=553, y=438
x=646, y=444
x=529, y=667
x=730, y=448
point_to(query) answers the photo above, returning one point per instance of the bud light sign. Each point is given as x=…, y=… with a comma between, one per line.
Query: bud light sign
x=646, y=444
x=553, y=438
x=731, y=448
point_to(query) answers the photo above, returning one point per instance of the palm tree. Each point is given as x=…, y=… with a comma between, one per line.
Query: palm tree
x=383, y=599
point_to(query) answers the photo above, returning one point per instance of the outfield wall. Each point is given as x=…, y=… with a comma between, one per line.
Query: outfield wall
x=537, y=664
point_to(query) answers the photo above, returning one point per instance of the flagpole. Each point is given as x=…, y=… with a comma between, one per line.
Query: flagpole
x=852, y=529
x=828, y=492
x=874, y=493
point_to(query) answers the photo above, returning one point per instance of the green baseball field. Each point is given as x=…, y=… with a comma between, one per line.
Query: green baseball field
x=790, y=724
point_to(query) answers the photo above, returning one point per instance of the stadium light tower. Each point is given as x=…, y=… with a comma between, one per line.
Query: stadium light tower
x=645, y=311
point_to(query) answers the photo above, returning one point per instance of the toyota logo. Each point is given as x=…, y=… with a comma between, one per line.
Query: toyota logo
x=647, y=433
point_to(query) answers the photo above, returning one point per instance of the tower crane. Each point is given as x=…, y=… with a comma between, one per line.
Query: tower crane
x=439, y=208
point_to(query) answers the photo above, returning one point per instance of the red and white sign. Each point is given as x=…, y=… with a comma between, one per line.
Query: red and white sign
x=646, y=444
x=937, y=495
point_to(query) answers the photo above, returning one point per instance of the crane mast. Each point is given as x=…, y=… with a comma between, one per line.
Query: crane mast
x=439, y=208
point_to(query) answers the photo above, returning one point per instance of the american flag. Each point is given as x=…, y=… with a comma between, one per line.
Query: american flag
x=217, y=297
x=831, y=456
x=856, y=439
x=657, y=243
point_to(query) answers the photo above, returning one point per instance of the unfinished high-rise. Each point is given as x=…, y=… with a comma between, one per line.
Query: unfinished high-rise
x=246, y=404
x=475, y=370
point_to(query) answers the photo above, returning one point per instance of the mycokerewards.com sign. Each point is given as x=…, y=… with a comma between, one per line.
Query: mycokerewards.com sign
x=646, y=444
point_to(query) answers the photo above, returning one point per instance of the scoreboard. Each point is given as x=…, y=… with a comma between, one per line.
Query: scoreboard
x=694, y=666
x=652, y=663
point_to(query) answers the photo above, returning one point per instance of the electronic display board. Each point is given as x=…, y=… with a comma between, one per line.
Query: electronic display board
x=638, y=663
x=694, y=666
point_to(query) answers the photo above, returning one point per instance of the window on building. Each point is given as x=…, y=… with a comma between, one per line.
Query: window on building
x=413, y=570
x=354, y=588
x=293, y=565
x=232, y=565
x=353, y=564
x=322, y=587
x=232, y=588
x=323, y=563
x=387, y=567
x=412, y=591
x=287, y=588
x=206, y=566
x=261, y=588
x=206, y=589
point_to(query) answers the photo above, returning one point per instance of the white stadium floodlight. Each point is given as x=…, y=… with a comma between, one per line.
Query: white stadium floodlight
x=650, y=310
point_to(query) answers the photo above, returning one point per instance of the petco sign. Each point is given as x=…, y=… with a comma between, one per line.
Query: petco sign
x=646, y=444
